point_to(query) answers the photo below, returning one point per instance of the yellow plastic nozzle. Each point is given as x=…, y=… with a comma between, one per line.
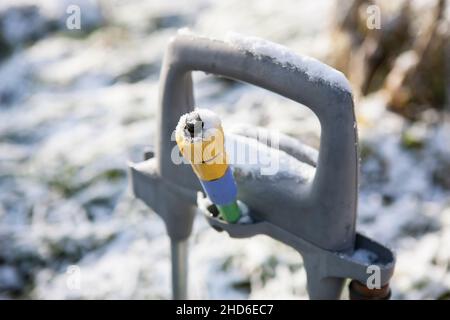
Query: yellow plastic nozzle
x=206, y=155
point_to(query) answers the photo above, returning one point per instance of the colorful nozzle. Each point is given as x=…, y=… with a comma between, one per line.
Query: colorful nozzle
x=200, y=138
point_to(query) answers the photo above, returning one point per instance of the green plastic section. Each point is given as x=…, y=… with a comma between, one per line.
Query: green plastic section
x=230, y=212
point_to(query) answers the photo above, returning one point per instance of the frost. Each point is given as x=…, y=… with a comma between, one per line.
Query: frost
x=185, y=32
x=314, y=69
x=68, y=123
x=9, y=278
x=210, y=121
x=364, y=256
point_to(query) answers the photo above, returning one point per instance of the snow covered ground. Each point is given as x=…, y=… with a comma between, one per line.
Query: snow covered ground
x=75, y=106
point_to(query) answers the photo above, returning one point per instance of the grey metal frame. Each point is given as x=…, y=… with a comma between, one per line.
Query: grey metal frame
x=317, y=219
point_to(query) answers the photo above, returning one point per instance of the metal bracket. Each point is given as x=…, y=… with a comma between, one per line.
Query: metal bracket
x=326, y=270
x=317, y=218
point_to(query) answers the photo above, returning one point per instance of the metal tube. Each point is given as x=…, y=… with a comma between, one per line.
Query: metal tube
x=179, y=253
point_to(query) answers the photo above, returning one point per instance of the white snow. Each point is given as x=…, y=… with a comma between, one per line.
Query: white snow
x=364, y=256
x=250, y=157
x=210, y=121
x=185, y=32
x=203, y=203
x=245, y=213
x=314, y=69
x=73, y=124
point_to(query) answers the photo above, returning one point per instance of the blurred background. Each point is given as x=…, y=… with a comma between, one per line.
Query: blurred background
x=77, y=104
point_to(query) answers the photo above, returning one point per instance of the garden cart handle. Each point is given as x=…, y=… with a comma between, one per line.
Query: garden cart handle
x=327, y=209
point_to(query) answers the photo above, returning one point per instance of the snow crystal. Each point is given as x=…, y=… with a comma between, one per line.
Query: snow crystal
x=314, y=69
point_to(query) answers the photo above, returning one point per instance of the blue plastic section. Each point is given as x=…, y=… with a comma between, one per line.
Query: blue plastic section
x=221, y=191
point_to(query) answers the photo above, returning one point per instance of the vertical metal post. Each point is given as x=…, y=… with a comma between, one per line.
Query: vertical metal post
x=179, y=253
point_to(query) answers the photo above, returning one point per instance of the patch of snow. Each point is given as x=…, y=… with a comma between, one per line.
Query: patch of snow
x=245, y=213
x=210, y=121
x=78, y=121
x=203, y=202
x=17, y=70
x=314, y=69
x=250, y=157
x=364, y=256
x=9, y=279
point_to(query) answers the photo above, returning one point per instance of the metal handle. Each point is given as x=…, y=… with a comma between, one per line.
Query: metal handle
x=331, y=200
